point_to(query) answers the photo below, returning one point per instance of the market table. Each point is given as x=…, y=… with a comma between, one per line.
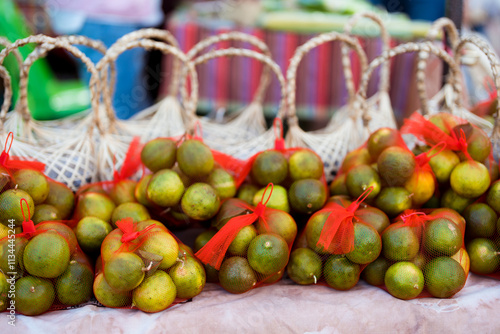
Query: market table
x=289, y=308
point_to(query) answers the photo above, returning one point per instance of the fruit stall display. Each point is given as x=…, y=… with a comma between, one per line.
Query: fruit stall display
x=410, y=211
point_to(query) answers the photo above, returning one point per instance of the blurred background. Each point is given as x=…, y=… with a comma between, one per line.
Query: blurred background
x=58, y=84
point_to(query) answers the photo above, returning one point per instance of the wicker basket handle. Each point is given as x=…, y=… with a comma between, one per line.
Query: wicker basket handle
x=386, y=41
x=59, y=43
x=235, y=52
x=440, y=24
x=7, y=95
x=19, y=58
x=113, y=53
x=242, y=37
x=41, y=51
x=398, y=50
x=302, y=51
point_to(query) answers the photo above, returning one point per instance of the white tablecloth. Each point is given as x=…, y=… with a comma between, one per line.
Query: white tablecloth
x=289, y=308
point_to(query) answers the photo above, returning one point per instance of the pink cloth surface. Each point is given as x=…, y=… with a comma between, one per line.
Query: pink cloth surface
x=289, y=308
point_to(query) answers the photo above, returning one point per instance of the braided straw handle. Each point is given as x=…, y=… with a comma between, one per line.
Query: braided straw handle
x=494, y=62
x=346, y=61
x=242, y=37
x=302, y=51
x=113, y=53
x=147, y=33
x=453, y=35
x=234, y=52
x=5, y=42
x=41, y=51
x=400, y=49
x=7, y=95
x=61, y=43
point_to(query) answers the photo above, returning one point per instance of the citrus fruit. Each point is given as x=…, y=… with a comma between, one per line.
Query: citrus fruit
x=442, y=237
x=280, y=223
x=470, y=179
x=240, y=243
x=63, y=230
x=141, y=190
x=46, y=255
x=4, y=289
x=444, y=277
x=95, y=205
x=404, y=280
x=493, y=196
x=463, y=259
x=247, y=192
x=360, y=178
x=34, y=295
x=273, y=278
x=340, y=273
x=211, y=273
x=270, y=167
x=74, y=286
x=484, y=257
x=359, y=156
x=478, y=142
x=374, y=272
x=268, y=253
x=342, y=200
x=45, y=212
x=109, y=297
x=278, y=199
x=223, y=183
x=159, y=154
x=200, y=201
x=393, y=200
x=382, y=139
x=123, y=192
x=165, y=188
x=396, y=165
x=16, y=249
x=148, y=222
x=195, y=158
x=202, y=239
x=188, y=276
x=111, y=244
x=161, y=243
x=34, y=183
x=421, y=186
x=136, y=211
x=155, y=293
x=305, y=164
x=400, y=243
x=481, y=220
x=367, y=244
x=450, y=199
x=4, y=231
x=374, y=217
x=304, y=266
x=493, y=169
x=229, y=208
x=123, y=271
x=442, y=164
x=11, y=209
x=236, y=275
x=339, y=186
x=452, y=215
x=419, y=260
x=313, y=231
x=90, y=233
x=445, y=121
x=307, y=195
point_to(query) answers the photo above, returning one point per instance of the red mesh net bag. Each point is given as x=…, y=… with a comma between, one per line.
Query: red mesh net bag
x=297, y=175
x=43, y=268
x=337, y=244
x=188, y=180
x=423, y=254
x=143, y=266
x=251, y=246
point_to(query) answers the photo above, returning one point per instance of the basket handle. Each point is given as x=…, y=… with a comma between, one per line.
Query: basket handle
x=440, y=24
x=41, y=51
x=117, y=49
x=146, y=33
x=386, y=41
x=302, y=51
x=398, y=50
x=242, y=37
x=59, y=43
x=235, y=52
x=19, y=58
x=7, y=95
